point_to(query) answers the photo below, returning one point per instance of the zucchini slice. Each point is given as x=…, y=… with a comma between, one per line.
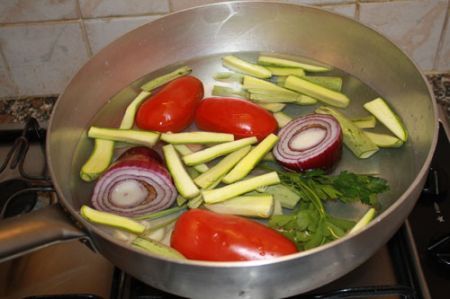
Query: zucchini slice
x=130, y=112
x=239, y=188
x=215, y=151
x=157, y=248
x=281, y=62
x=261, y=206
x=228, y=77
x=282, y=118
x=321, y=93
x=99, y=160
x=244, y=166
x=365, y=219
x=196, y=137
x=225, y=91
x=112, y=220
x=184, y=150
x=161, y=80
x=273, y=107
x=253, y=84
x=331, y=82
x=139, y=137
x=384, y=140
x=183, y=181
x=236, y=64
x=286, y=71
x=354, y=138
x=381, y=110
x=216, y=172
x=367, y=122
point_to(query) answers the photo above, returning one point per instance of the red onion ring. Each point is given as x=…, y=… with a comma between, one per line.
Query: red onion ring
x=136, y=184
x=309, y=142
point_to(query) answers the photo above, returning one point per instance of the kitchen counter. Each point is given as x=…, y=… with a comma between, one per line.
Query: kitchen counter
x=17, y=110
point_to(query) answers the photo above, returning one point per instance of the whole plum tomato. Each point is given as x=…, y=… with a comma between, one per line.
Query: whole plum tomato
x=208, y=236
x=238, y=117
x=173, y=107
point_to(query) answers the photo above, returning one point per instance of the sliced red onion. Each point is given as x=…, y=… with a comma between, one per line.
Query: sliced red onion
x=136, y=184
x=309, y=142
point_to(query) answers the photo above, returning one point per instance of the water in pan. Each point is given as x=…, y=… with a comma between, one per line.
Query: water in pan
x=395, y=165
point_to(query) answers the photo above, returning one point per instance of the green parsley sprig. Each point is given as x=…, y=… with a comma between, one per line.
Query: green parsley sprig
x=309, y=225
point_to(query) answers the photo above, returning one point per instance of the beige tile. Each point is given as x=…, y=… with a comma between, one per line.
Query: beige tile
x=42, y=58
x=14, y=11
x=101, y=32
x=443, y=61
x=7, y=86
x=348, y=10
x=414, y=25
x=111, y=8
x=183, y=4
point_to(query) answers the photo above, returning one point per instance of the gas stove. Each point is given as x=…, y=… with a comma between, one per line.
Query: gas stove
x=415, y=263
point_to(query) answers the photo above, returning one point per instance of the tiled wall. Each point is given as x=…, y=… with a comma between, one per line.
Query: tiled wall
x=44, y=42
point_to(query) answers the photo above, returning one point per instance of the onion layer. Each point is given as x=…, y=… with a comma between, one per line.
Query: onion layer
x=136, y=184
x=309, y=142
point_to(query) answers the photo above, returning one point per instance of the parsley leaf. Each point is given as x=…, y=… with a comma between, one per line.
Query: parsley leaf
x=309, y=225
x=362, y=188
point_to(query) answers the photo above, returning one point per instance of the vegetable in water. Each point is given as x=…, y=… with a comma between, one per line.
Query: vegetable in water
x=112, y=220
x=102, y=154
x=239, y=188
x=137, y=183
x=236, y=116
x=218, y=150
x=283, y=194
x=312, y=141
x=354, y=138
x=244, y=166
x=164, y=79
x=196, y=137
x=183, y=181
x=366, y=122
x=365, y=219
x=384, y=113
x=328, y=96
x=157, y=248
x=310, y=225
x=273, y=107
x=208, y=236
x=137, y=137
x=282, y=62
x=384, y=140
x=99, y=160
x=219, y=170
x=172, y=108
x=282, y=118
x=256, y=205
x=239, y=65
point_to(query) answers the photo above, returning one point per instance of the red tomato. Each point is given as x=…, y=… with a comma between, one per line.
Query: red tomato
x=173, y=107
x=238, y=117
x=204, y=235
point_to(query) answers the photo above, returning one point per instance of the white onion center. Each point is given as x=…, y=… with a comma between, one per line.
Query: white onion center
x=308, y=138
x=128, y=193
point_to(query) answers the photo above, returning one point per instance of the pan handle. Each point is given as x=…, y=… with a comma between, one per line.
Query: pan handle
x=41, y=228
x=443, y=119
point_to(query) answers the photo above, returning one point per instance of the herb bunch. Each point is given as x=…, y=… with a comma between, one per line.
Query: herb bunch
x=310, y=225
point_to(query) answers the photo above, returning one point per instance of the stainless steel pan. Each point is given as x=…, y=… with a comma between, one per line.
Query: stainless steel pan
x=199, y=36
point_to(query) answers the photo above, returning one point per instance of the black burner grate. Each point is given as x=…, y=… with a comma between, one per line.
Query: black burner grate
x=19, y=188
